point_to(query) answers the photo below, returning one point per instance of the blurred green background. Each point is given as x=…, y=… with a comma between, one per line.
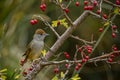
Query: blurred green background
x=16, y=32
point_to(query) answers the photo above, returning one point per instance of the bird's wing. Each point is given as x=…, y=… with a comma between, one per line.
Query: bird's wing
x=27, y=52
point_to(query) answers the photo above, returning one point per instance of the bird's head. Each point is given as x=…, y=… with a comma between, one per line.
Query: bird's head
x=40, y=34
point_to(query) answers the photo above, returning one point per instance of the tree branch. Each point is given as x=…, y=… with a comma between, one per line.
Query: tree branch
x=67, y=34
x=82, y=40
x=108, y=2
x=98, y=58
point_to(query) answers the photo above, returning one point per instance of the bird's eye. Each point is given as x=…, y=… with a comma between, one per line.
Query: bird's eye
x=41, y=34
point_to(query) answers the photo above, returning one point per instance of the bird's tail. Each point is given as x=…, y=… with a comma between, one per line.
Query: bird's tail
x=26, y=54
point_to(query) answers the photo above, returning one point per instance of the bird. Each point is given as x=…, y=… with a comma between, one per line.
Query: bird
x=35, y=47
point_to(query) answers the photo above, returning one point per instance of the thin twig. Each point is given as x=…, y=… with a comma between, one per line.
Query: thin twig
x=66, y=16
x=111, y=3
x=66, y=72
x=100, y=5
x=82, y=40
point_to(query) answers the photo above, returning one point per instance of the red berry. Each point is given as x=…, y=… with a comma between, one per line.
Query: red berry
x=24, y=73
x=87, y=57
x=30, y=69
x=86, y=8
x=112, y=56
x=114, y=27
x=67, y=56
x=44, y=6
x=66, y=65
x=35, y=21
x=113, y=35
x=41, y=7
x=32, y=22
x=22, y=62
x=56, y=70
x=76, y=68
x=90, y=7
x=66, y=10
x=65, y=53
x=105, y=16
x=98, y=12
x=100, y=29
x=95, y=3
x=110, y=60
x=79, y=65
x=77, y=3
x=89, y=47
x=115, y=48
x=85, y=2
x=89, y=51
x=117, y=2
x=58, y=23
x=83, y=60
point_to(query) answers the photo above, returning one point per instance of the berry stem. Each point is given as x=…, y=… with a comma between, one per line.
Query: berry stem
x=101, y=36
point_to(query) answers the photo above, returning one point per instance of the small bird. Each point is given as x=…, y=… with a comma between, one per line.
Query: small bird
x=36, y=45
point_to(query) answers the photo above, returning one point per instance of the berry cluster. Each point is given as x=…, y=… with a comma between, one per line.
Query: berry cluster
x=77, y=67
x=33, y=21
x=112, y=56
x=114, y=28
x=87, y=48
x=90, y=6
x=43, y=7
x=67, y=56
x=24, y=73
x=56, y=70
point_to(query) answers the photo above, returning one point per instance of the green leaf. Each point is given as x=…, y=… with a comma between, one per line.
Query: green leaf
x=3, y=70
x=76, y=77
x=55, y=78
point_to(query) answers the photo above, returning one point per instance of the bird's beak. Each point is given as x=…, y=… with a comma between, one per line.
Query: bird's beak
x=46, y=34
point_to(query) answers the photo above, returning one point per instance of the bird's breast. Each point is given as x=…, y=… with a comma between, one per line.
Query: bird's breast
x=37, y=46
